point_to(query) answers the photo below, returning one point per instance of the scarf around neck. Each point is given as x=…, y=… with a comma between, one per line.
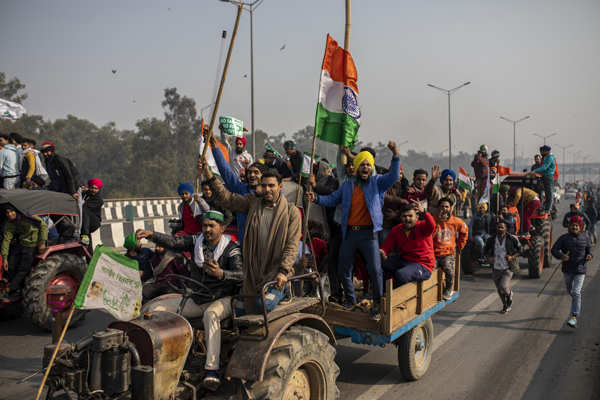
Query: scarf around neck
x=199, y=253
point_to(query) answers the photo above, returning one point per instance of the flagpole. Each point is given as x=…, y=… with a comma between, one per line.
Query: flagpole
x=222, y=84
x=49, y=367
x=342, y=157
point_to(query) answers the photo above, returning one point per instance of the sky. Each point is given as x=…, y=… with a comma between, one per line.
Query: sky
x=537, y=57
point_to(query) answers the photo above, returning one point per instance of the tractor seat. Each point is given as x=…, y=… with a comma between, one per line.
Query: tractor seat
x=295, y=305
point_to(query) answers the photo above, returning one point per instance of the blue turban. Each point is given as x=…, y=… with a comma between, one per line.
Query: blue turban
x=447, y=172
x=545, y=148
x=185, y=186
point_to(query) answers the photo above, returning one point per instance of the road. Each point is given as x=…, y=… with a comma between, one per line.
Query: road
x=528, y=353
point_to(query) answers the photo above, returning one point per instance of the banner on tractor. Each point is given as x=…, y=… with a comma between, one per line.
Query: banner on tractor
x=111, y=283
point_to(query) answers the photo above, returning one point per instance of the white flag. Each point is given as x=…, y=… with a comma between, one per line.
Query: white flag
x=10, y=110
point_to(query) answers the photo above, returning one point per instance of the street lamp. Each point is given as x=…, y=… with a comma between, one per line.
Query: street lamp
x=515, y=136
x=448, y=93
x=564, y=149
x=250, y=6
x=545, y=137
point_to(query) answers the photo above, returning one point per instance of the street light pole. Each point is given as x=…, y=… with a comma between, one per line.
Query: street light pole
x=448, y=93
x=250, y=6
x=514, y=123
x=545, y=137
x=564, y=149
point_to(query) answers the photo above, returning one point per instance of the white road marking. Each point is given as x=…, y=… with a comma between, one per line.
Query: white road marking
x=380, y=388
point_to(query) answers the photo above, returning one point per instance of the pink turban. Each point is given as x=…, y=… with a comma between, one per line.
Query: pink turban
x=241, y=139
x=95, y=182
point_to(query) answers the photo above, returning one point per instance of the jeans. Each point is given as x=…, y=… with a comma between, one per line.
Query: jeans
x=367, y=242
x=548, y=182
x=501, y=278
x=405, y=271
x=479, y=243
x=574, y=284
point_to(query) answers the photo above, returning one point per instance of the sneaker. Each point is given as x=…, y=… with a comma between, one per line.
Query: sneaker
x=572, y=322
x=447, y=295
x=85, y=240
x=211, y=380
x=375, y=313
x=509, y=302
x=348, y=305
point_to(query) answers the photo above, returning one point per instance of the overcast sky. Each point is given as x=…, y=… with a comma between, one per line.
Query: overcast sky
x=538, y=58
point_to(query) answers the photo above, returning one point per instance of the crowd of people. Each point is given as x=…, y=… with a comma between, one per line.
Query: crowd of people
x=238, y=230
x=23, y=166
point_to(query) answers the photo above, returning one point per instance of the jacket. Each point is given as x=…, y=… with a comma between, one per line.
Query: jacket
x=512, y=245
x=417, y=246
x=234, y=185
x=435, y=193
x=230, y=262
x=61, y=176
x=10, y=164
x=27, y=231
x=449, y=235
x=374, y=191
x=578, y=246
x=481, y=166
x=548, y=166
x=481, y=224
x=93, y=203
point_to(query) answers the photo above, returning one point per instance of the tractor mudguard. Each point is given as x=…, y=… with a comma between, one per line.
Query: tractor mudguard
x=249, y=359
x=70, y=247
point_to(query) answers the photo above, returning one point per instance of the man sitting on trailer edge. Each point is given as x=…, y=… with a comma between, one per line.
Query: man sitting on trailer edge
x=413, y=241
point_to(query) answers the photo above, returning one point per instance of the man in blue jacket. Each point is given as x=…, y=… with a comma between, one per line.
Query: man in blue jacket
x=362, y=200
x=547, y=171
x=234, y=185
x=574, y=250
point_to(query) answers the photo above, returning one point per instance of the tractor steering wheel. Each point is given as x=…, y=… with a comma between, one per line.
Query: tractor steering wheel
x=188, y=287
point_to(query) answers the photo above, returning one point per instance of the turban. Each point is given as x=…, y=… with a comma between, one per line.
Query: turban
x=215, y=216
x=483, y=205
x=95, y=182
x=504, y=188
x=483, y=148
x=130, y=242
x=447, y=172
x=494, y=169
x=577, y=220
x=241, y=139
x=185, y=186
x=47, y=145
x=362, y=156
x=289, y=145
x=545, y=148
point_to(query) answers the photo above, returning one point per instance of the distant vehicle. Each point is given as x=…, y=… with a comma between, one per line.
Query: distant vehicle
x=570, y=194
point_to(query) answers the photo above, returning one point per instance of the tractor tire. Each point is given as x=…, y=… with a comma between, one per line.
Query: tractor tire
x=535, y=257
x=301, y=365
x=547, y=235
x=415, y=349
x=10, y=311
x=37, y=282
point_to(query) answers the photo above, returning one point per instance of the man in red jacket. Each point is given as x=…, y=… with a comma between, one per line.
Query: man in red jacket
x=412, y=241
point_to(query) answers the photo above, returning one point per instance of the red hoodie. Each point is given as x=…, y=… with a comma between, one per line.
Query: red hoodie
x=417, y=246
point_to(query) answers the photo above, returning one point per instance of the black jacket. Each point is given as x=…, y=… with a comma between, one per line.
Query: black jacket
x=61, y=176
x=482, y=224
x=578, y=246
x=93, y=203
x=512, y=245
x=230, y=262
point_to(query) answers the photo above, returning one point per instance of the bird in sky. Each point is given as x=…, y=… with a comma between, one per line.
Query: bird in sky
x=282, y=47
x=245, y=75
x=114, y=71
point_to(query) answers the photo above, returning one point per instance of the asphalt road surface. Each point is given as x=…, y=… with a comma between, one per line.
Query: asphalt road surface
x=528, y=353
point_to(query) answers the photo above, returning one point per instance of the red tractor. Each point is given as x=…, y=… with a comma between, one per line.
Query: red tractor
x=54, y=276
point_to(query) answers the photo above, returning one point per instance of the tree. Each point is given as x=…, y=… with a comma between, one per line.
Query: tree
x=9, y=90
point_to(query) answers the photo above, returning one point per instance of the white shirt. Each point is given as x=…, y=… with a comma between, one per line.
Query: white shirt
x=240, y=162
x=500, y=262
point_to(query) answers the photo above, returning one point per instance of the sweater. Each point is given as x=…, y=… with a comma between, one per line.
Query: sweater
x=449, y=235
x=548, y=166
x=578, y=246
x=417, y=246
x=27, y=232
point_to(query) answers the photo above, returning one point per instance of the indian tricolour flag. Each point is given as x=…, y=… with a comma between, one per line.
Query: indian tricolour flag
x=464, y=180
x=338, y=114
x=111, y=283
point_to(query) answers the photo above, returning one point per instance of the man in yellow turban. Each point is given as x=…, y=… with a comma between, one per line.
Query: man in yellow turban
x=361, y=198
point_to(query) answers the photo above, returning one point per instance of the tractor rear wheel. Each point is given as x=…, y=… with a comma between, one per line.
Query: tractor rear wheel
x=535, y=257
x=64, y=269
x=300, y=366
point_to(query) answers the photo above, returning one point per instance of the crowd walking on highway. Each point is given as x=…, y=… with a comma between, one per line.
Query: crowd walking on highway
x=239, y=227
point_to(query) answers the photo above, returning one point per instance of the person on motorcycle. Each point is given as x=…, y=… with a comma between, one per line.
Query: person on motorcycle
x=26, y=234
x=216, y=263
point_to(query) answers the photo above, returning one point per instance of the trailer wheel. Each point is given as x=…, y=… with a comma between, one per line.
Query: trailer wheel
x=62, y=268
x=414, y=351
x=535, y=257
x=301, y=366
